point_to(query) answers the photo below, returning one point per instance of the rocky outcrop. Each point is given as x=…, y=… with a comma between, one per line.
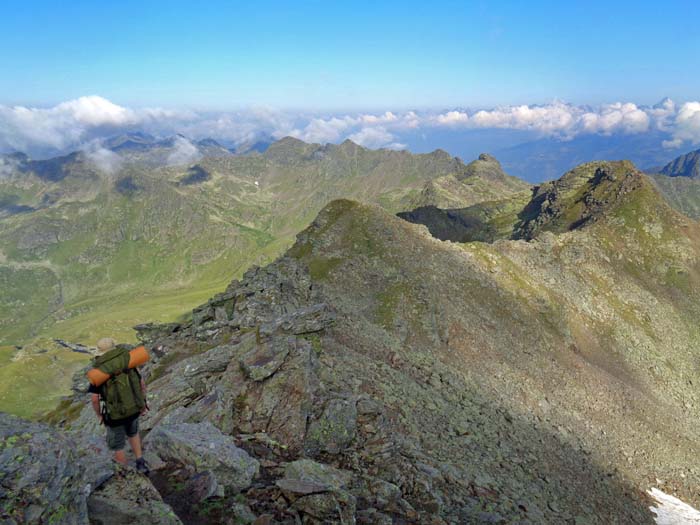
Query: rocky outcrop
x=203, y=448
x=581, y=197
x=48, y=476
x=129, y=497
x=481, y=180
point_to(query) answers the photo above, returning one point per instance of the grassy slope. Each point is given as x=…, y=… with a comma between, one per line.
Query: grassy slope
x=590, y=333
x=99, y=261
x=683, y=193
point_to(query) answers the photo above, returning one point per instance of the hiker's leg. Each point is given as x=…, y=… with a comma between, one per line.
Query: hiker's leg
x=135, y=443
x=120, y=456
x=116, y=440
x=132, y=434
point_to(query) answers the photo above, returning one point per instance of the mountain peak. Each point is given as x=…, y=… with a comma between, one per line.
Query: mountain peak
x=582, y=196
x=687, y=165
x=288, y=149
x=485, y=166
x=488, y=158
x=129, y=141
x=209, y=142
x=349, y=145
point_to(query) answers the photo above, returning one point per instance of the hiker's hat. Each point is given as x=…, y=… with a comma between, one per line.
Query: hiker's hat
x=106, y=344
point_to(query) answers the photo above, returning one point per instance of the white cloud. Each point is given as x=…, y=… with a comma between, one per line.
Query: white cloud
x=7, y=167
x=556, y=118
x=105, y=160
x=184, y=152
x=376, y=138
x=662, y=114
x=76, y=123
x=60, y=126
x=379, y=119
x=561, y=119
x=324, y=130
x=686, y=126
x=453, y=118
x=610, y=118
x=94, y=111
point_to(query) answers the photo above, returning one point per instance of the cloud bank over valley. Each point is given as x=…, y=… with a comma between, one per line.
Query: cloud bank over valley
x=83, y=123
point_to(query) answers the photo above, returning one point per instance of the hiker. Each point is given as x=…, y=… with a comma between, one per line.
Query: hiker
x=119, y=401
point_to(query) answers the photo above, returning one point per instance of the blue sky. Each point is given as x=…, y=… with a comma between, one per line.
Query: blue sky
x=462, y=76
x=348, y=55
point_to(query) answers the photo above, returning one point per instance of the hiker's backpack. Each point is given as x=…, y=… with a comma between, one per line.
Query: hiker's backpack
x=121, y=393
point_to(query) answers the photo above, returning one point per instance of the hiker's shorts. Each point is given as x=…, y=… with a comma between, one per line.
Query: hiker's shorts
x=116, y=436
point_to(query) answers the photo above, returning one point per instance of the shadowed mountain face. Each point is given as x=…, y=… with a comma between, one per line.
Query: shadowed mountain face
x=374, y=373
x=684, y=166
x=92, y=251
x=195, y=175
x=582, y=196
x=679, y=181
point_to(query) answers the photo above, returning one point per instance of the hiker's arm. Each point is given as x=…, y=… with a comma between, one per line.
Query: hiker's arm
x=96, y=404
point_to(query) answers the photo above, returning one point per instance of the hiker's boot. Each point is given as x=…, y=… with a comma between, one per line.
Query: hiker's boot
x=142, y=466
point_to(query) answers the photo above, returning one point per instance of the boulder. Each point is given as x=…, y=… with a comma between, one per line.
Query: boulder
x=204, y=447
x=319, y=491
x=46, y=477
x=324, y=477
x=129, y=497
x=265, y=359
x=279, y=405
x=210, y=362
x=335, y=429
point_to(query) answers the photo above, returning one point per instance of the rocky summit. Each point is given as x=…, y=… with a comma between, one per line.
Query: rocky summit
x=376, y=374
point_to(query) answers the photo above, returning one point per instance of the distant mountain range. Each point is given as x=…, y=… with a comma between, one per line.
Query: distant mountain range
x=546, y=159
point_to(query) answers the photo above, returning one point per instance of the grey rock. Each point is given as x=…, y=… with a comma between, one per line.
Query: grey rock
x=335, y=429
x=150, y=332
x=129, y=497
x=298, y=486
x=47, y=476
x=265, y=359
x=281, y=404
x=320, y=474
x=210, y=362
x=204, y=447
x=79, y=381
x=202, y=314
x=202, y=486
x=338, y=507
x=305, y=320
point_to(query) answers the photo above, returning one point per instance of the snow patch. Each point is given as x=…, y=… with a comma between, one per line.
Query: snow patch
x=672, y=511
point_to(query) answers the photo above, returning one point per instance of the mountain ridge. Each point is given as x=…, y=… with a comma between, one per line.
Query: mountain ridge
x=95, y=251
x=518, y=380
x=687, y=165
